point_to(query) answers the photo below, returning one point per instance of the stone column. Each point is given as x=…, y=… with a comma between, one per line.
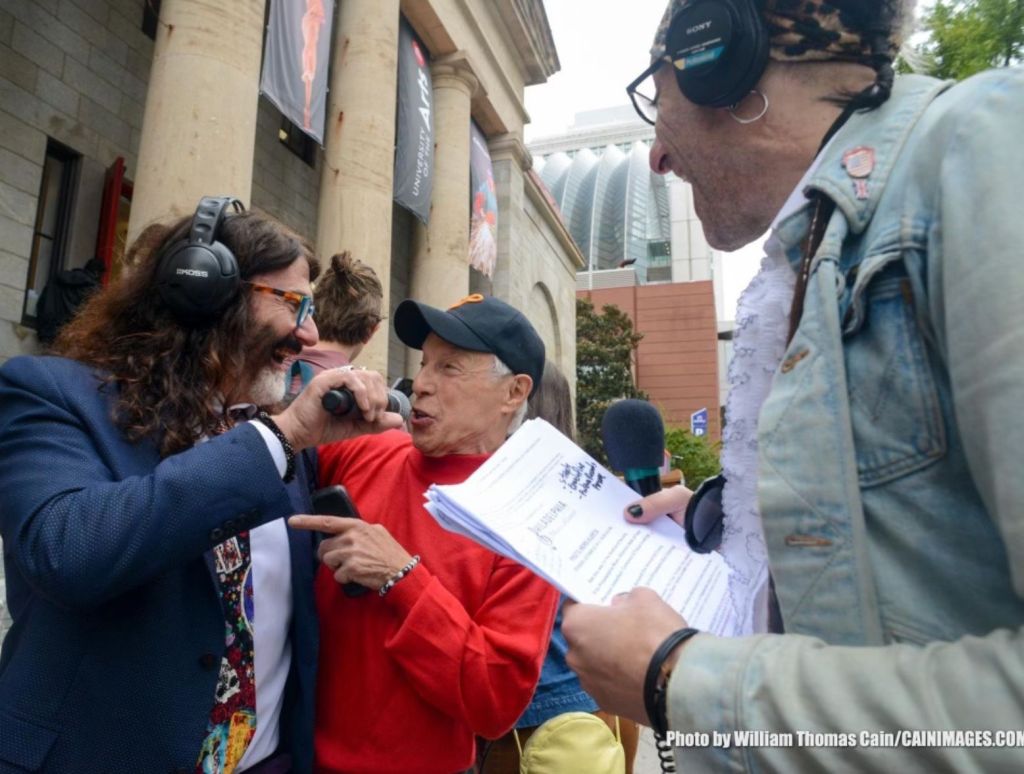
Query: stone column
x=356, y=186
x=199, y=125
x=511, y=161
x=439, y=271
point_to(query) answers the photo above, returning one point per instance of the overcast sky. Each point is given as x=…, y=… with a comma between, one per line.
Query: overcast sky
x=602, y=45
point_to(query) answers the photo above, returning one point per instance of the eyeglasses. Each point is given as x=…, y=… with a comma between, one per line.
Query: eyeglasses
x=704, y=514
x=302, y=304
x=644, y=94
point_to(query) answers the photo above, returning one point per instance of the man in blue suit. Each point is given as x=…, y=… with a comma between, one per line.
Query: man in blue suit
x=163, y=616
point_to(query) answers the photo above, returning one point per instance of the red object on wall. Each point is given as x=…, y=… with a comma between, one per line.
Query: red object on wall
x=114, y=187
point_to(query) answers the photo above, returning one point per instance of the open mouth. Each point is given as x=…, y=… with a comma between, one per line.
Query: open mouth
x=420, y=418
x=286, y=350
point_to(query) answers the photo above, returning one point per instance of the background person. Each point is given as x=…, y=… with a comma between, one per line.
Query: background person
x=348, y=300
x=449, y=641
x=163, y=618
x=877, y=385
x=64, y=293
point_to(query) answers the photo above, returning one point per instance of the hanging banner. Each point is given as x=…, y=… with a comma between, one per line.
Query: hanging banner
x=414, y=127
x=483, y=216
x=295, y=61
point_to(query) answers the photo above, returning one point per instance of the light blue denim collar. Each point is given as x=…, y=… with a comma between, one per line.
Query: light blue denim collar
x=878, y=135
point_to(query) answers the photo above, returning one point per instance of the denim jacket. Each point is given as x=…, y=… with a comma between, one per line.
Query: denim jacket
x=890, y=453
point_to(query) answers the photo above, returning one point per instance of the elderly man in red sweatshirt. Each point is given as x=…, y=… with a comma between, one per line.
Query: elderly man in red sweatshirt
x=449, y=642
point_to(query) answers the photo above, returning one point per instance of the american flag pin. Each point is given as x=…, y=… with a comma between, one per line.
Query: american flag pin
x=859, y=162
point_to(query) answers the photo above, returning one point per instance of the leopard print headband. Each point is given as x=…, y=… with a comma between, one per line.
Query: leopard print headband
x=820, y=30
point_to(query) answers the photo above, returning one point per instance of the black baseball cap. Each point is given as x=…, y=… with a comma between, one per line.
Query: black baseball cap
x=480, y=324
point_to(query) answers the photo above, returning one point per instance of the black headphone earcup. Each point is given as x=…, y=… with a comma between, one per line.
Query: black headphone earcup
x=723, y=48
x=197, y=281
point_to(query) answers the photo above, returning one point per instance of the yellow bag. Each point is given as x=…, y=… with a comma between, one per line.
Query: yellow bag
x=573, y=743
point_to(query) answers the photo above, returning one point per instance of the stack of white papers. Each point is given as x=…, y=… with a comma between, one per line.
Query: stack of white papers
x=545, y=503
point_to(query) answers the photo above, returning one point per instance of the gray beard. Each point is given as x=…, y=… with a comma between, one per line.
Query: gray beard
x=269, y=387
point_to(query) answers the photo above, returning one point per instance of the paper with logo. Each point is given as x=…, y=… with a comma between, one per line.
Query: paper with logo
x=545, y=503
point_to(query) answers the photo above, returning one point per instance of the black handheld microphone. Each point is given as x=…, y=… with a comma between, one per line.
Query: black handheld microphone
x=341, y=403
x=633, y=434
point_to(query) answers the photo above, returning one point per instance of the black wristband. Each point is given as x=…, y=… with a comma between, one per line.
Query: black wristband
x=289, y=452
x=655, y=690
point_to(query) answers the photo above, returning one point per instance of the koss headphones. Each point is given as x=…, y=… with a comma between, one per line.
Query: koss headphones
x=198, y=277
x=719, y=50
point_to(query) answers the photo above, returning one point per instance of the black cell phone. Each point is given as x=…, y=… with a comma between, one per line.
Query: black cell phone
x=334, y=501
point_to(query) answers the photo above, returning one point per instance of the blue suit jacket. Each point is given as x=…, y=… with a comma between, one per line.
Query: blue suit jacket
x=112, y=660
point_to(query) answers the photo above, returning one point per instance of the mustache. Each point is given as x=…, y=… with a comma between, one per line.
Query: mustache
x=288, y=344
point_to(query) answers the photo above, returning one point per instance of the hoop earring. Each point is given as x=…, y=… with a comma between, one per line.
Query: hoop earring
x=758, y=117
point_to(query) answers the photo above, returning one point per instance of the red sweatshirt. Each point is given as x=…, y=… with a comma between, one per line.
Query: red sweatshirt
x=453, y=650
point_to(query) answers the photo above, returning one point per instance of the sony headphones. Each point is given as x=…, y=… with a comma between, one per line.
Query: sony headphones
x=719, y=50
x=198, y=277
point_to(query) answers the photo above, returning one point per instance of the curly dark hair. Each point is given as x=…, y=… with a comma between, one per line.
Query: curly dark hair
x=170, y=379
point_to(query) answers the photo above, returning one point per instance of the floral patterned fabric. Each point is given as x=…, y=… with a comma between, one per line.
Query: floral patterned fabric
x=232, y=723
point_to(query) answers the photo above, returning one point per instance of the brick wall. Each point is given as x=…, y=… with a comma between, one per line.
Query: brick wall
x=677, y=360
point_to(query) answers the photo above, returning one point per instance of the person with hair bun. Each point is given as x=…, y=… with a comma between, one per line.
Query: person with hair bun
x=348, y=300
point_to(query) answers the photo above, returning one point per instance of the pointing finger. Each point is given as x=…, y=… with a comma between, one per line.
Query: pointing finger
x=335, y=525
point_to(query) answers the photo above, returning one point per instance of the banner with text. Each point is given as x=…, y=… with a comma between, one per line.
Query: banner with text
x=414, y=127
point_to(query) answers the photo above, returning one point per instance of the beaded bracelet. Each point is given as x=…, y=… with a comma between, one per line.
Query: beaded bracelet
x=655, y=689
x=289, y=452
x=390, y=584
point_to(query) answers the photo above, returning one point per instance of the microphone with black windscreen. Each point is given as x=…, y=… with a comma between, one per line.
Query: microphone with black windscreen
x=633, y=434
x=341, y=403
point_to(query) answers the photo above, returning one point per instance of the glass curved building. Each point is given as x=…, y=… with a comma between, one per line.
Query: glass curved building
x=616, y=209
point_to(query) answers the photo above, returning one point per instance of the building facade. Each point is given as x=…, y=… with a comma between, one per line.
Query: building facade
x=676, y=361
x=644, y=245
x=118, y=113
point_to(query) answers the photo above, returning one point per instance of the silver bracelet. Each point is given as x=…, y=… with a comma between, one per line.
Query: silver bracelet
x=390, y=584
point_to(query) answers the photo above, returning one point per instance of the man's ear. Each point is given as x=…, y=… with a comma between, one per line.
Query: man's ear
x=519, y=389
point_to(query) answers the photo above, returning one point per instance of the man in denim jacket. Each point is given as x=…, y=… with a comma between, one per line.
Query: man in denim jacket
x=889, y=443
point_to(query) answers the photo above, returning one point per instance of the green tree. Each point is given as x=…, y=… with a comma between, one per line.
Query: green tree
x=968, y=36
x=696, y=457
x=605, y=343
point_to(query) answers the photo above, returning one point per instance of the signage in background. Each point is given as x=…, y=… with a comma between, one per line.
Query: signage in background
x=483, y=215
x=295, y=62
x=699, y=422
x=414, y=127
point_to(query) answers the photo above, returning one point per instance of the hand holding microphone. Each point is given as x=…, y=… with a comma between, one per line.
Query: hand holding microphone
x=341, y=403
x=369, y=408
x=634, y=439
